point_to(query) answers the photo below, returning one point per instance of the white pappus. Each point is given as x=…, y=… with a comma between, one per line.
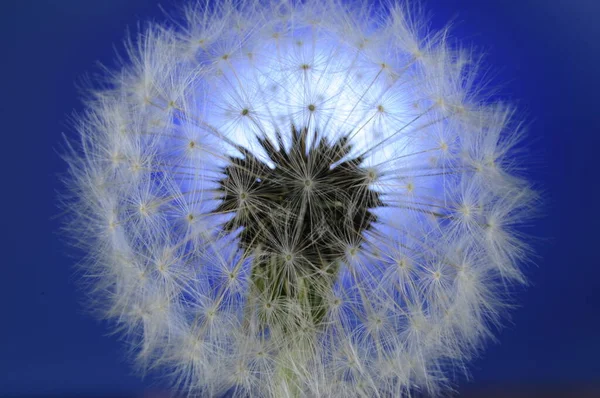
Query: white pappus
x=298, y=199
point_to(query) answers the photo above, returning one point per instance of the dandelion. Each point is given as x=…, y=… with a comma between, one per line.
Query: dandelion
x=298, y=199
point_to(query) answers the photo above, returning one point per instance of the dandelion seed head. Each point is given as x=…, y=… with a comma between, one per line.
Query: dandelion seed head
x=298, y=199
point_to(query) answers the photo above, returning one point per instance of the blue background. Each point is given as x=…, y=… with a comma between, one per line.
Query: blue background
x=546, y=56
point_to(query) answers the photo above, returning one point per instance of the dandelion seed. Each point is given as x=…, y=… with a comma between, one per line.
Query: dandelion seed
x=298, y=199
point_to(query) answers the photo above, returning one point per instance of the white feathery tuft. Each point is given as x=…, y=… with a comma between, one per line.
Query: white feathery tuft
x=299, y=199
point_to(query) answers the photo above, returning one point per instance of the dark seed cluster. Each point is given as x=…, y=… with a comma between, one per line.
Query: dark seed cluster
x=303, y=212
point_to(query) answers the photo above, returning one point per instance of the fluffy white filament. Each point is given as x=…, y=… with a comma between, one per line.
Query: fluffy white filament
x=415, y=294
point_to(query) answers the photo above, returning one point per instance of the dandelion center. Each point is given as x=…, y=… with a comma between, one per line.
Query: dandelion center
x=280, y=214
